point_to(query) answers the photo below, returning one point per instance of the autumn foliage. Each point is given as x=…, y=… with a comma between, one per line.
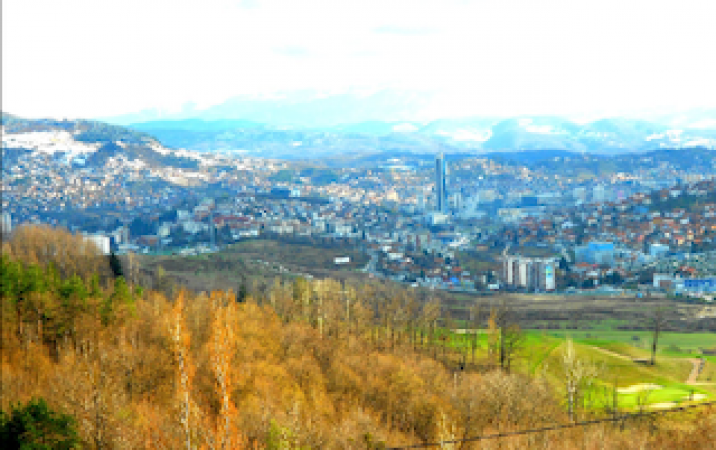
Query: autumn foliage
x=304, y=365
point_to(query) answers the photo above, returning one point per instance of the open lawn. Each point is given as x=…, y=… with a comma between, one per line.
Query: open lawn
x=669, y=343
x=672, y=394
x=542, y=354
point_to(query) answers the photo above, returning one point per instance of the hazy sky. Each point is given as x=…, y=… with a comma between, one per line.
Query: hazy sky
x=75, y=58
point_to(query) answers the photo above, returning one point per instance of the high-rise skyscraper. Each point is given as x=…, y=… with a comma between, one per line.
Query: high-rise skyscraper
x=440, y=182
x=6, y=224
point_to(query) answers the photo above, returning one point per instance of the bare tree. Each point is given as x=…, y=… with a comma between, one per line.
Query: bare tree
x=579, y=375
x=659, y=321
x=429, y=317
x=475, y=320
x=507, y=337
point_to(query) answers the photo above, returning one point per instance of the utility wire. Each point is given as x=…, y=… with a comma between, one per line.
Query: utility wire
x=552, y=428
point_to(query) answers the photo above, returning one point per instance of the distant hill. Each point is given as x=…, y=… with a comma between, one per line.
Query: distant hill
x=358, y=120
x=298, y=128
x=83, y=130
x=194, y=125
x=89, y=143
x=529, y=158
x=471, y=135
x=568, y=163
x=534, y=133
x=266, y=141
x=558, y=162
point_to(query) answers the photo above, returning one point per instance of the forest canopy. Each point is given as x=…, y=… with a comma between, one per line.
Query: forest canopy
x=304, y=364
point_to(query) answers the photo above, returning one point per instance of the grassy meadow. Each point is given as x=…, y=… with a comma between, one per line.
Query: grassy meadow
x=615, y=354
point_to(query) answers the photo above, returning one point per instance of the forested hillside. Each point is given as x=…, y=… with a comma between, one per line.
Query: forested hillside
x=302, y=365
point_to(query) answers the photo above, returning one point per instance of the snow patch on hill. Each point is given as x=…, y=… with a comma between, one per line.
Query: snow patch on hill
x=62, y=144
x=181, y=153
x=48, y=142
x=122, y=161
x=159, y=148
x=702, y=142
x=466, y=134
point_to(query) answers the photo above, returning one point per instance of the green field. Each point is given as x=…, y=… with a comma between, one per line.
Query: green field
x=614, y=353
x=671, y=394
x=678, y=343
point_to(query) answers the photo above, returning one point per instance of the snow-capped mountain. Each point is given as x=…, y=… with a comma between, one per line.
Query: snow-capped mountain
x=155, y=143
x=604, y=136
x=347, y=121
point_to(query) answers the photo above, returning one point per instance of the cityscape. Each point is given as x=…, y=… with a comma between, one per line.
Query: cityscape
x=265, y=224
x=530, y=229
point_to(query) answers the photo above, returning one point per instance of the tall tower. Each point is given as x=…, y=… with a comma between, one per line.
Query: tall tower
x=6, y=225
x=212, y=230
x=440, y=182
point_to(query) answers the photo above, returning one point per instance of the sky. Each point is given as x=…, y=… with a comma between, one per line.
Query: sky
x=77, y=58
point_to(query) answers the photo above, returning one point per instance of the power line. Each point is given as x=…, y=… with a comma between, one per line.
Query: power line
x=551, y=428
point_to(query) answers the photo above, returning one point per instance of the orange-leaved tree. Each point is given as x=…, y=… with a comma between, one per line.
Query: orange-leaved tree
x=181, y=341
x=222, y=355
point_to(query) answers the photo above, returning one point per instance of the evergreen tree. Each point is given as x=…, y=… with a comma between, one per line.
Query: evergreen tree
x=242, y=294
x=36, y=426
x=116, y=265
x=119, y=300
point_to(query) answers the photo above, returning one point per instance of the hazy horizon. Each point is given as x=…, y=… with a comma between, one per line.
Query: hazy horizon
x=81, y=59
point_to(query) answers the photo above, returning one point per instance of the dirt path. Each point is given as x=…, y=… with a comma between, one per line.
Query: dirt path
x=694, y=375
x=614, y=354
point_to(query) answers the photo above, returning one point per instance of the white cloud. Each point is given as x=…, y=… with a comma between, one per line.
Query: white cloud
x=88, y=58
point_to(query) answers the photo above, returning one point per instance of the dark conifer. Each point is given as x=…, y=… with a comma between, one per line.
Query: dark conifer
x=116, y=265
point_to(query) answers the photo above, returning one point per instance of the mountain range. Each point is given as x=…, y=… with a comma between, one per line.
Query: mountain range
x=314, y=124
x=307, y=125
x=468, y=135
x=96, y=145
